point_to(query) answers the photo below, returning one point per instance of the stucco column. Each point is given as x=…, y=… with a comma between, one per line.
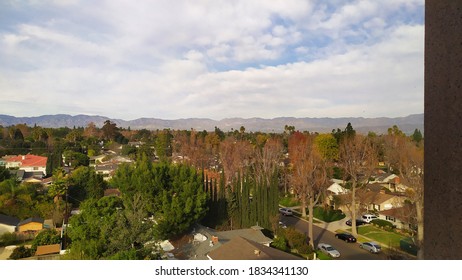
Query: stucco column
x=443, y=130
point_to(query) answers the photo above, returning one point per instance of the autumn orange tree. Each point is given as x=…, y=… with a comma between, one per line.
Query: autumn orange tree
x=310, y=174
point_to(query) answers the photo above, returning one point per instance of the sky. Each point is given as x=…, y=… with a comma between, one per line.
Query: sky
x=215, y=59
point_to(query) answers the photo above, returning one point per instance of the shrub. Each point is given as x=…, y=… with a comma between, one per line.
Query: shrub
x=8, y=239
x=21, y=253
x=280, y=243
x=408, y=246
x=294, y=238
x=388, y=226
x=46, y=237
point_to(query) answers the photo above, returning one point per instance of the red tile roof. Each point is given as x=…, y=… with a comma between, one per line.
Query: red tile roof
x=29, y=160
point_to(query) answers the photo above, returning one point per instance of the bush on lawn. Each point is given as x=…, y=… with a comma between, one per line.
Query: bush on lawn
x=280, y=243
x=295, y=240
x=386, y=225
x=408, y=245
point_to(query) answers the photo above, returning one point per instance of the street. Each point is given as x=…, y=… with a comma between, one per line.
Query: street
x=348, y=251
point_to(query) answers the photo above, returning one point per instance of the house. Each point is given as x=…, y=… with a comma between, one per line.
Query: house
x=337, y=189
x=94, y=160
x=29, y=163
x=203, y=240
x=31, y=224
x=379, y=201
x=388, y=180
x=254, y=234
x=8, y=224
x=367, y=200
x=106, y=170
x=400, y=217
x=240, y=248
x=136, y=144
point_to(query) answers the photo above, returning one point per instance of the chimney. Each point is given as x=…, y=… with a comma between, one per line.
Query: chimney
x=382, y=191
x=214, y=239
x=256, y=252
x=23, y=157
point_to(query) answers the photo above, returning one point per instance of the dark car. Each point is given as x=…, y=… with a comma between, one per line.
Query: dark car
x=358, y=222
x=345, y=237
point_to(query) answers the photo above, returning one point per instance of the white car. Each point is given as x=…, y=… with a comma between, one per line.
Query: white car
x=371, y=247
x=286, y=211
x=369, y=217
x=329, y=250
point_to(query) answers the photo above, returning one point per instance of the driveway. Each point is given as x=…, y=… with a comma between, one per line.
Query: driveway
x=5, y=253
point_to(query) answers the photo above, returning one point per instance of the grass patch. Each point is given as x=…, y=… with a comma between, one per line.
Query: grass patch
x=391, y=239
x=288, y=201
x=320, y=255
x=327, y=215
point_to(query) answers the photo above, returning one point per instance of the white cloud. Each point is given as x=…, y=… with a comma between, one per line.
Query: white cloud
x=173, y=59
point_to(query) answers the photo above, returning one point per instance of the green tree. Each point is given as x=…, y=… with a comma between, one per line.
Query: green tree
x=59, y=186
x=4, y=174
x=91, y=230
x=183, y=202
x=76, y=159
x=164, y=144
x=46, y=237
x=132, y=230
x=110, y=130
x=84, y=183
x=327, y=146
x=417, y=136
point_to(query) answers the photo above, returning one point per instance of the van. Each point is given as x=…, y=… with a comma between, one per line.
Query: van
x=368, y=217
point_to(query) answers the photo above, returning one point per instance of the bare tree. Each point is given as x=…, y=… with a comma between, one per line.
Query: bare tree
x=408, y=158
x=267, y=160
x=310, y=176
x=235, y=155
x=358, y=159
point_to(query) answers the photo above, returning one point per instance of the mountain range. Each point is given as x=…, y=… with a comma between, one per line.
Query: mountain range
x=378, y=125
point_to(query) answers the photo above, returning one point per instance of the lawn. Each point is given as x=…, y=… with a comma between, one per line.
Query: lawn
x=327, y=215
x=289, y=201
x=388, y=238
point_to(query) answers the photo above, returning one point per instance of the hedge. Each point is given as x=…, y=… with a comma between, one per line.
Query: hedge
x=383, y=224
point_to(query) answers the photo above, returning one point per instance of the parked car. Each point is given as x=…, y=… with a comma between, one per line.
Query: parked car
x=329, y=250
x=286, y=212
x=359, y=222
x=368, y=217
x=345, y=237
x=371, y=247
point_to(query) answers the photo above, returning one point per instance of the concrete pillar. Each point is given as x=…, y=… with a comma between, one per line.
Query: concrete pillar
x=443, y=130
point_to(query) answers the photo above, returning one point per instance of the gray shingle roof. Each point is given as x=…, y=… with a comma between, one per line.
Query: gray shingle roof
x=8, y=220
x=30, y=220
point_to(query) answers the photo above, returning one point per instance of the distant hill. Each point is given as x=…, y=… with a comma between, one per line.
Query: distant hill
x=379, y=125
